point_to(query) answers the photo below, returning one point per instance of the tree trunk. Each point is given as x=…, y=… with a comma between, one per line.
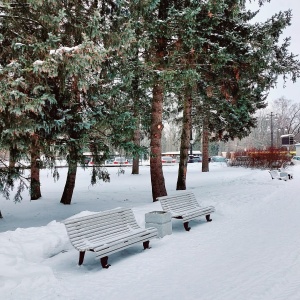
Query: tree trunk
x=136, y=158
x=1, y=217
x=185, y=143
x=157, y=177
x=11, y=165
x=205, y=145
x=136, y=135
x=66, y=197
x=13, y=152
x=35, y=185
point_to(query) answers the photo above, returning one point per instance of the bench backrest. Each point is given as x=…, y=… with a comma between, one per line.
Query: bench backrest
x=179, y=202
x=101, y=226
x=274, y=173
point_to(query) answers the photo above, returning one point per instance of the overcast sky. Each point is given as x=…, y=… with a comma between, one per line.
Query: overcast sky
x=292, y=90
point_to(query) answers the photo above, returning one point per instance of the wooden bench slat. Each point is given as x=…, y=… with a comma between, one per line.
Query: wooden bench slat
x=141, y=234
x=181, y=205
x=114, y=213
x=99, y=243
x=100, y=235
x=281, y=174
x=115, y=244
x=102, y=240
x=82, y=230
x=90, y=228
x=120, y=246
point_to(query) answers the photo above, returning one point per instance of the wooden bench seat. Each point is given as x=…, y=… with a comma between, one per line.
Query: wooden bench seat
x=281, y=174
x=107, y=232
x=185, y=206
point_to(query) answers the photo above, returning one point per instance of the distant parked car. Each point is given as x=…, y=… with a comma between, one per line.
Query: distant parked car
x=109, y=161
x=120, y=161
x=191, y=159
x=167, y=160
x=197, y=158
x=218, y=159
x=296, y=160
x=194, y=158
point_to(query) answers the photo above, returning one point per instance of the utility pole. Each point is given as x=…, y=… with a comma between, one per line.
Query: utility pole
x=272, y=127
x=272, y=130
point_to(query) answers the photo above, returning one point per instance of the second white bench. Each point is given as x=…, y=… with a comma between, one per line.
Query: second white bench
x=281, y=174
x=186, y=207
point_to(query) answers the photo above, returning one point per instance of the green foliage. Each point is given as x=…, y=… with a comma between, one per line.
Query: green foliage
x=245, y=62
x=79, y=74
x=12, y=180
x=59, y=78
x=99, y=174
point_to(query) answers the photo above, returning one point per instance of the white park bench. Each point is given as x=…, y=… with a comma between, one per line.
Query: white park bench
x=281, y=174
x=107, y=232
x=185, y=206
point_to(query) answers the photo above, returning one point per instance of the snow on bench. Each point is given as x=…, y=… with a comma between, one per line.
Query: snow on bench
x=185, y=206
x=107, y=232
x=281, y=174
x=286, y=172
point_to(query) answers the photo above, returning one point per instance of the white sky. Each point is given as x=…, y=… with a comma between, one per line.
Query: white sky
x=291, y=91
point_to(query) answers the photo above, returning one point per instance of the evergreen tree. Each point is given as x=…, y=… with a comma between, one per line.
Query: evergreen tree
x=235, y=70
x=63, y=61
x=257, y=60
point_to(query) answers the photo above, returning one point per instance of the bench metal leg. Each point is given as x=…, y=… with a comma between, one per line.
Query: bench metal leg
x=104, y=263
x=208, y=219
x=146, y=245
x=186, y=226
x=81, y=257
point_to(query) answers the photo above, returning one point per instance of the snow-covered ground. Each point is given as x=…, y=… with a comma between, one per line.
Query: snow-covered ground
x=250, y=251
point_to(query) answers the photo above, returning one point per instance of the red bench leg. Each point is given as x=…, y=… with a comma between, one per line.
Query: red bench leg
x=186, y=226
x=146, y=245
x=104, y=263
x=81, y=257
x=208, y=219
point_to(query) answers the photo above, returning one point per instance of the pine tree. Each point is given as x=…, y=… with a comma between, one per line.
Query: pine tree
x=235, y=70
x=63, y=61
x=257, y=60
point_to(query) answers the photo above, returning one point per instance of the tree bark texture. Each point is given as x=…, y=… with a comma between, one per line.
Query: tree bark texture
x=35, y=185
x=184, y=143
x=157, y=177
x=156, y=171
x=136, y=135
x=66, y=197
x=205, y=145
x=136, y=159
x=73, y=148
x=13, y=152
